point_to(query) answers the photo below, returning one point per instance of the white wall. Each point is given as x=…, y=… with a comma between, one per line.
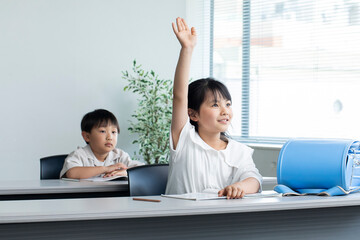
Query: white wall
x=62, y=58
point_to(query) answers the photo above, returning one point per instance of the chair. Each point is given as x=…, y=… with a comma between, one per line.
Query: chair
x=50, y=167
x=148, y=179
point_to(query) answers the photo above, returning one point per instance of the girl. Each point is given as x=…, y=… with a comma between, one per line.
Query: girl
x=202, y=158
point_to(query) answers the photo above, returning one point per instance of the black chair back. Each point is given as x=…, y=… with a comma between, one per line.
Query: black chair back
x=50, y=167
x=148, y=179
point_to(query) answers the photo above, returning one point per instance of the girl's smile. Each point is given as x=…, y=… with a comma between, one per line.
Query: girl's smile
x=215, y=114
x=224, y=121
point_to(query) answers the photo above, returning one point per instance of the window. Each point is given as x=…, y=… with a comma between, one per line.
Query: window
x=292, y=66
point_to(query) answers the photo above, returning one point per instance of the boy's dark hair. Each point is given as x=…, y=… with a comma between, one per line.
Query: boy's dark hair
x=98, y=118
x=199, y=88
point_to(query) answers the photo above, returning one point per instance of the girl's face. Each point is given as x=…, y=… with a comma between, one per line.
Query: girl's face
x=215, y=114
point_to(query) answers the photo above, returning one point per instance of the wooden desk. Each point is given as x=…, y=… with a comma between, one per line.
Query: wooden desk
x=55, y=189
x=309, y=217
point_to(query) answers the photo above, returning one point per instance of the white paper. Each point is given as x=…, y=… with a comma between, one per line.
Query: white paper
x=263, y=194
x=211, y=196
x=195, y=196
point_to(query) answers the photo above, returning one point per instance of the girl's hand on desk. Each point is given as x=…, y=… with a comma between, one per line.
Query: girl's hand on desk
x=232, y=191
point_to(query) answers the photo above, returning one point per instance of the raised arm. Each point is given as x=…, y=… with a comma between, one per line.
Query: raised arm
x=187, y=39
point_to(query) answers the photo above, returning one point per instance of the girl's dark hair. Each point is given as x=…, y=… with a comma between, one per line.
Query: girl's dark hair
x=98, y=118
x=199, y=88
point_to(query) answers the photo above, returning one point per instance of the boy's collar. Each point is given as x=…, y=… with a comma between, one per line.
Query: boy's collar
x=92, y=157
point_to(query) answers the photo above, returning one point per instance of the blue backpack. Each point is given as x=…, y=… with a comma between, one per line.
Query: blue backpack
x=319, y=166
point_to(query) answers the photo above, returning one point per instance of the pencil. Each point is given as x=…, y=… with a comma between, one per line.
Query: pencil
x=146, y=200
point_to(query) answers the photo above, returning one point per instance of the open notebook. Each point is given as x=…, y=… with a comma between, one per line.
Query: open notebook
x=211, y=195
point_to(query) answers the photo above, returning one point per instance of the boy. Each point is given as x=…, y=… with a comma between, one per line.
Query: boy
x=99, y=157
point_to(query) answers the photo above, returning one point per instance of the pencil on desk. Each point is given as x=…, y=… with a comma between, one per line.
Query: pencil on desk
x=146, y=200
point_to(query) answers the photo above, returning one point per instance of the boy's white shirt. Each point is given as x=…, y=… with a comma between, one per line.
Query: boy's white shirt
x=197, y=167
x=84, y=157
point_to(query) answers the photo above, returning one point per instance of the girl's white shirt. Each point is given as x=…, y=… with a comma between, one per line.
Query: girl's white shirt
x=197, y=167
x=84, y=157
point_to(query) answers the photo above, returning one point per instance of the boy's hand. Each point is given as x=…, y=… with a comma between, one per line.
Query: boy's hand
x=121, y=172
x=186, y=36
x=232, y=191
x=115, y=167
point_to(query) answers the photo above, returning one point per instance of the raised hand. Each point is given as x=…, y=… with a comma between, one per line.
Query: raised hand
x=187, y=37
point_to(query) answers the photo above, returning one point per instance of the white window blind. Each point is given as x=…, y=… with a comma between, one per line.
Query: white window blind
x=292, y=67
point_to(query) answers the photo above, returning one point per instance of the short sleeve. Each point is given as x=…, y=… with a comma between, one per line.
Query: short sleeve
x=182, y=138
x=73, y=160
x=247, y=168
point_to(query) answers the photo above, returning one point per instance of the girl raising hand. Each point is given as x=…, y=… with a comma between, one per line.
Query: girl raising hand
x=202, y=157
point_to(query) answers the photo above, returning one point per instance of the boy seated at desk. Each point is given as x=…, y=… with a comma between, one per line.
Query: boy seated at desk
x=99, y=157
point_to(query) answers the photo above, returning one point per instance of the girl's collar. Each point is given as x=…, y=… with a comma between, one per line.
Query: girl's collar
x=195, y=137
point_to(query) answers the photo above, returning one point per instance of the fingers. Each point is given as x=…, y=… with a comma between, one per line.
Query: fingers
x=193, y=31
x=116, y=166
x=221, y=193
x=185, y=24
x=179, y=24
x=116, y=173
x=110, y=174
x=121, y=165
x=242, y=194
x=238, y=193
x=174, y=28
x=186, y=36
x=106, y=175
x=232, y=192
x=229, y=192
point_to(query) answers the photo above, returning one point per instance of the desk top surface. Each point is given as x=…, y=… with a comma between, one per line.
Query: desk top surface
x=59, y=186
x=62, y=186
x=125, y=207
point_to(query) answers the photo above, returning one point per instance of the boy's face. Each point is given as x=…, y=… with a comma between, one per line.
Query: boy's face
x=102, y=140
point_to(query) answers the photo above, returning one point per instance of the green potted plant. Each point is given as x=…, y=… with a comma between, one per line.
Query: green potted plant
x=152, y=119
